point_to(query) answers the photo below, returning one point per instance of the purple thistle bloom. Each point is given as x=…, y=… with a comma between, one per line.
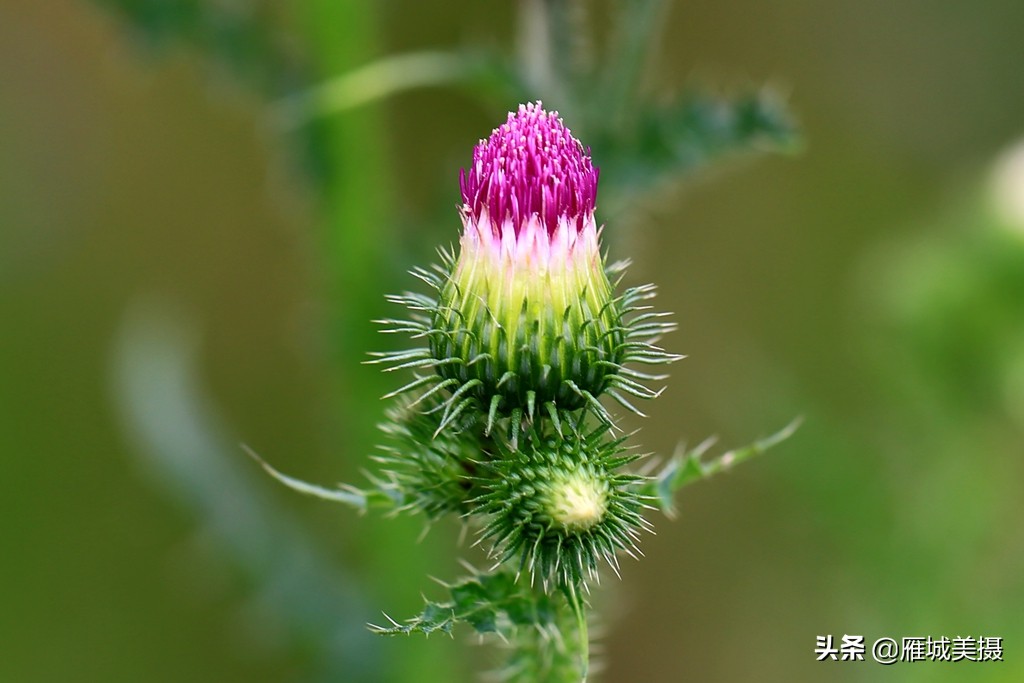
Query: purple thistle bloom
x=528, y=214
x=530, y=166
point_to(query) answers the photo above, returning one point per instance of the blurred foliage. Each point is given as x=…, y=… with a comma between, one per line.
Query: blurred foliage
x=949, y=311
x=244, y=39
x=666, y=142
x=343, y=155
x=173, y=426
x=642, y=144
x=956, y=306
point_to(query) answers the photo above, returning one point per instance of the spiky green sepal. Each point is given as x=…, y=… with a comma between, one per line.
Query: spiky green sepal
x=560, y=504
x=513, y=357
x=529, y=339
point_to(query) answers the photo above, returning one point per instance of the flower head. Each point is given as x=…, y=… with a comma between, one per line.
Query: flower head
x=526, y=319
x=577, y=500
x=529, y=305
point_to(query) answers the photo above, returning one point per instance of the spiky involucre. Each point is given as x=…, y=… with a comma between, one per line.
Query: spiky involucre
x=545, y=338
x=561, y=504
x=524, y=319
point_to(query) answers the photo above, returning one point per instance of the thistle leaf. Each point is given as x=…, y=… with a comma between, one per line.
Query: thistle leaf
x=489, y=603
x=688, y=466
x=693, y=132
x=361, y=499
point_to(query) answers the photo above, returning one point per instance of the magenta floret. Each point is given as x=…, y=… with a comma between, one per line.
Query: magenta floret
x=531, y=165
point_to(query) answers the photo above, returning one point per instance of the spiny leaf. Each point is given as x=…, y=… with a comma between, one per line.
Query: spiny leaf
x=489, y=603
x=692, y=132
x=361, y=499
x=686, y=467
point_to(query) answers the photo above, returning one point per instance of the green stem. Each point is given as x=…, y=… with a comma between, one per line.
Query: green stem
x=637, y=24
x=356, y=235
x=579, y=610
x=536, y=58
x=556, y=52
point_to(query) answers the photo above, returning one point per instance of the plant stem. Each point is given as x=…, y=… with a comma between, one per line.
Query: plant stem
x=356, y=235
x=637, y=24
x=579, y=610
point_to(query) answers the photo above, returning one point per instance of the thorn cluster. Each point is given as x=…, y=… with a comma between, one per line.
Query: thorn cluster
x=427, y=471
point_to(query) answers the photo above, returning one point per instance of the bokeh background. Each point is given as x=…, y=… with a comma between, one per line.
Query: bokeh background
x=183, y=269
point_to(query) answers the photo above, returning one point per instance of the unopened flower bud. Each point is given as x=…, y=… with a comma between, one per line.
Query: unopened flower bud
x=528, y=307
x=561, y=503
x=525, y=317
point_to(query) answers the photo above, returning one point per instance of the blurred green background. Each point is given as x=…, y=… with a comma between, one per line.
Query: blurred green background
x=180, y=273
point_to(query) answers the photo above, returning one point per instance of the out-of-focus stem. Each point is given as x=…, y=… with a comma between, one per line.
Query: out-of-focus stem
x=636, y=31
x=535, y=50
x=556, y=51
x=579, y=610
x=356, y=236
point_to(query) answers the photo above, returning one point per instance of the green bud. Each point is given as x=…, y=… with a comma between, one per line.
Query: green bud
x=561, y=504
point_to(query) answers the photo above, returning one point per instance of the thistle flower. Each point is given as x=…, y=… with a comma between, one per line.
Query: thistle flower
x=525, y=317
